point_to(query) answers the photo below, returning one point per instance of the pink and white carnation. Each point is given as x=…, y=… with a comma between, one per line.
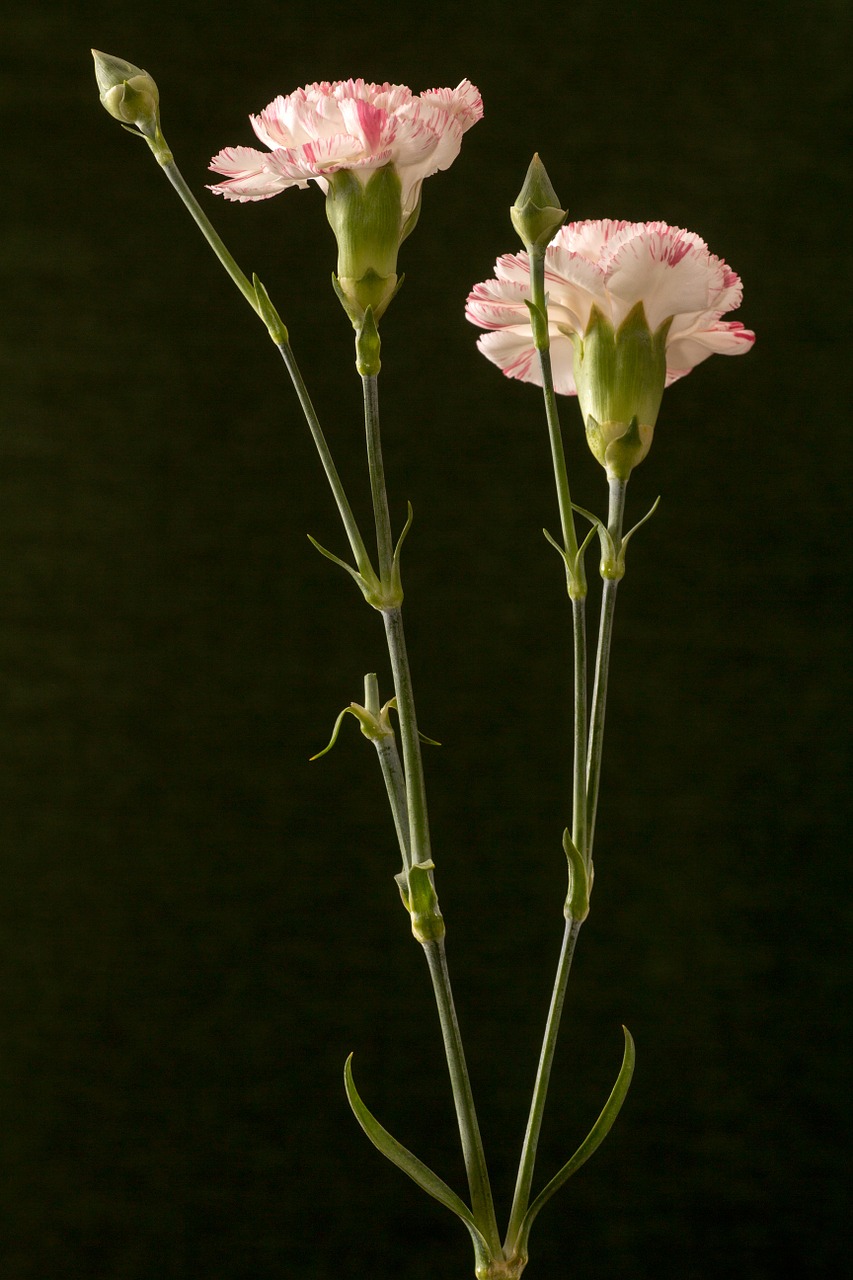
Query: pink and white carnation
x=604, y=269
x=350, y=124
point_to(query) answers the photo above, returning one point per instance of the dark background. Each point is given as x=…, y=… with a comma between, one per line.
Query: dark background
x=197, y=924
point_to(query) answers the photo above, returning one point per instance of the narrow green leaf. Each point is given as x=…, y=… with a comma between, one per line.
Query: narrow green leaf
x=640, y=523
x=409, y=1163
x=433, y=742
x=395, y=562
x=555, y=544
x=335, y=732
x=354, y=573
x=593, y=1140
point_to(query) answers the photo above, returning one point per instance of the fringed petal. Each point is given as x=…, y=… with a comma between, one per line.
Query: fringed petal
x=354, y=124
x=726, y=338
x=613, y=265
x=249, y=176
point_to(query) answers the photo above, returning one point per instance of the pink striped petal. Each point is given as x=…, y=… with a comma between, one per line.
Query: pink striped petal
x=249, y=176
x=354, y=124
x=614, y=265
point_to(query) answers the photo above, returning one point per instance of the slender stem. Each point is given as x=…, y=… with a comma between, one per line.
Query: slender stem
x=577, y=591
x=395, y=785
x=482, y=1204
x=558, y=456
x=615, y=516
x=579, y=827
x=352, y=531
x=419, y=837
x=384, y=543
x=524, y=1181
x=176, y=178
x=173, y=173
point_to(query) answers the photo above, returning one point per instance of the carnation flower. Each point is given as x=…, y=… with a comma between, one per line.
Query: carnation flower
x=369, y=148
x=632, y=306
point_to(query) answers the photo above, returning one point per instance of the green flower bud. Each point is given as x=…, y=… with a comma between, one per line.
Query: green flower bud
x=620, y=376
x=536, y=214
x=128, y=93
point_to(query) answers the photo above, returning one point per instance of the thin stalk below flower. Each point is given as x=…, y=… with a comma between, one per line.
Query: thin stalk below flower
x=555, y=435
x=577, y=587
x=395, y=785
x=524, y=1181
x=176, y=178
x=482, y=1204
x=615, y=516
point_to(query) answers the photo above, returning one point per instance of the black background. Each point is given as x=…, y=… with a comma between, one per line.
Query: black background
x=197, y=925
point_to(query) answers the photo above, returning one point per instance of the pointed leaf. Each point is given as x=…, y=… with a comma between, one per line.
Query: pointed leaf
x=640, y=523
x=410, y=1164
x=354, y=573
x=433, y=742
x=395, y=562
x=335, y=732
x=593, y=1140
x=555, y=544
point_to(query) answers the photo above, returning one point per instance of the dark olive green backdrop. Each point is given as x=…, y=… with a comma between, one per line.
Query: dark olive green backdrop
x=197, y=924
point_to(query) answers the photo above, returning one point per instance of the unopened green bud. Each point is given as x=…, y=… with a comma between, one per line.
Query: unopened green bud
x=620, y=376
x=128, y=93
x=536, y=214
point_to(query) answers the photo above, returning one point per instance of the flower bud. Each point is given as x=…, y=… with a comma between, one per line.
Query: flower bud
x=128, y=93
x=536, y=214
x=620, y=377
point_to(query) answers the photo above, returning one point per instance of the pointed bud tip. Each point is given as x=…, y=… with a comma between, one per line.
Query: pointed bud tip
x=536, y=214
x=128, y=93
x=111, y=71
x=537, y=187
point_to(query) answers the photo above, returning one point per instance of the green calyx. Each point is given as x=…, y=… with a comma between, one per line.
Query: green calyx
x=620, y=376
x=536, y=214
x=368, y=222
x=128, y=93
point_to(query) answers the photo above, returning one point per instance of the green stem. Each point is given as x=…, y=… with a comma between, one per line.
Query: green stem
x=356, y=541
x=173, y=173
x=521, y=1199
x=615, y=517
x=395, y=785
x=176, y=178
x=482, y=1205
x=558, y=456
x=419, y=837
x=579, y=827
x=384, y=542
x=577, y=592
